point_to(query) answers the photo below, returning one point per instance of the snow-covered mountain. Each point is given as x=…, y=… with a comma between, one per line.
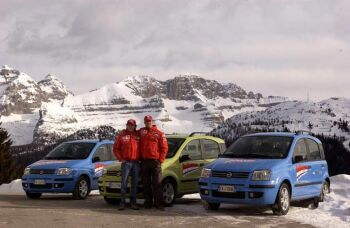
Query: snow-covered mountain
x=183, y=104
x=328, y=117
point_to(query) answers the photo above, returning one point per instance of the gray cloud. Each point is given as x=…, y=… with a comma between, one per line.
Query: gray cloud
x=258, y=44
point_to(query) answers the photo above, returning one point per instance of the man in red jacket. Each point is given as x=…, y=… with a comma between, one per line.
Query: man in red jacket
x=126, y=150
x=153, y=150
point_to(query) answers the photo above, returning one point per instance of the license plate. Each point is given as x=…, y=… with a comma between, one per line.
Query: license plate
x=114, y=185
x=39, y=182
x=226, y=188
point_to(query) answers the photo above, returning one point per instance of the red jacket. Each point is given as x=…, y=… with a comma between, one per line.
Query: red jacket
x=126, y=146
x=153, y=144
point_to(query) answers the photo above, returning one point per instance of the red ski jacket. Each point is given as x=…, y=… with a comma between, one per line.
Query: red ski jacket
x=153, y=144
x=126, y=146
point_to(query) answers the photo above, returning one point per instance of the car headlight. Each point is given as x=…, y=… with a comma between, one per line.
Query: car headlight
x=26, y=171
x=206, y=173
x=261, y=175
x=64, y=171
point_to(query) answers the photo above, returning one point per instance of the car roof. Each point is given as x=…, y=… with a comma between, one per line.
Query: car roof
x=183, y=136
x=285, y=134
x=90, y=141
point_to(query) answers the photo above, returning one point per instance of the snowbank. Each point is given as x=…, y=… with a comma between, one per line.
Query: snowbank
x=14, y=187
x=334, y=212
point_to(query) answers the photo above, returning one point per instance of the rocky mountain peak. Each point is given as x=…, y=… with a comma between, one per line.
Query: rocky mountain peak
x=54, y=88
x=8, y=74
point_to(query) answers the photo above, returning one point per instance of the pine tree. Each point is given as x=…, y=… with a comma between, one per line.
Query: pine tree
x=7, y=165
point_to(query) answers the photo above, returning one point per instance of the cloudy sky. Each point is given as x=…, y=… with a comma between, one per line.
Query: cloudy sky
x=279, y=47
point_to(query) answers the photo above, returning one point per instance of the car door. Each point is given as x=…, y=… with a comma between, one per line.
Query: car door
x=301, y=169
x=101, y=158
x=210, y=150
x=317, y=167
x=191, y=162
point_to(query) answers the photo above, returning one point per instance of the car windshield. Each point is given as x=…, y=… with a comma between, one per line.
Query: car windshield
x=173, y=145
x=270, y=147
x=71, y=151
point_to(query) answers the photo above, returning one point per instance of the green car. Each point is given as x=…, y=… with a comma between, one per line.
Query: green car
x=181, y=170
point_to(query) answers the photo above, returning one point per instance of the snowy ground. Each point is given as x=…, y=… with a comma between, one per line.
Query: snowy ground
x=334, y=212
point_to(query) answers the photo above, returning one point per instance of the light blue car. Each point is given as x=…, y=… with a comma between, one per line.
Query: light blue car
x=267, y=169
x=72, y=167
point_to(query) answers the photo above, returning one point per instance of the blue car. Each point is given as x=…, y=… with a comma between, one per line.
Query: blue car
x=267, y=169
x=72, y=167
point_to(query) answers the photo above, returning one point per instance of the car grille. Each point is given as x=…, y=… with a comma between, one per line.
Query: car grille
x=42, y=171
x=234, y=195
x=224, y=174
x=113, y=173
x=45, y=186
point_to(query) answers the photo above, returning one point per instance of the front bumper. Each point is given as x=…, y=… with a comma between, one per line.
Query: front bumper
x=105, y=187
x=52, y=183
x=246, y=191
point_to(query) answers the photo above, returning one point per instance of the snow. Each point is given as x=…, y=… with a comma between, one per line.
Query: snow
x=334, y=212
x=20, y=126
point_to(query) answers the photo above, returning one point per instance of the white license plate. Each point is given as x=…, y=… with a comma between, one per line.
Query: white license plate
x=226, y=188
x=39, y=182
x=115, y=185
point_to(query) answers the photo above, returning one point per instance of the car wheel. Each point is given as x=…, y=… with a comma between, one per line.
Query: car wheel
x=82, y=189
x=113, y=201
x=33, y=195
x=211, y=206
x=325, y=190
x=169, y=192
x=282, y=203
x=314, y=203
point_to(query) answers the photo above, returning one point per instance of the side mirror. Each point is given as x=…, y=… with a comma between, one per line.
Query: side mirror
x=96, y=159
x=298, y=158
x=184, y=157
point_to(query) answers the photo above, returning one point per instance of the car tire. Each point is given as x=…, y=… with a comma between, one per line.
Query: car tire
x=112, y=201
x=211, y=206
x=282, y=203
x=33, y=195
x=169, y=192
x=325, y=190
x=314, y=203
x=82, y=189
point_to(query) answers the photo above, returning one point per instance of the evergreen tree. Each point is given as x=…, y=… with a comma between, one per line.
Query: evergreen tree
x=7, y=165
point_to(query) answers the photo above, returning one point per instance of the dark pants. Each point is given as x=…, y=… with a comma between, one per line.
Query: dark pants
x=151, y=174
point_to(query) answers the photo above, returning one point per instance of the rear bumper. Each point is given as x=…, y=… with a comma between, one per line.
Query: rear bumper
x=53, y=184
x=250, y=193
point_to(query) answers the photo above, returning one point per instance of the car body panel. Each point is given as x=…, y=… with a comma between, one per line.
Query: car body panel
x=305, y=178
x=44, y=179
x=186, y=174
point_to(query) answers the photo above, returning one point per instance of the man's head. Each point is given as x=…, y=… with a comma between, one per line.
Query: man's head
x=131, y=125
x=148, y=121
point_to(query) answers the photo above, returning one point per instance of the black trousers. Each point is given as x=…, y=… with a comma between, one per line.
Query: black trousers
x=151, y=174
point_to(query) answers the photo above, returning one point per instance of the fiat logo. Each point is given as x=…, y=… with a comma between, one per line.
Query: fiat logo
x=229, y=175
x=41, y=172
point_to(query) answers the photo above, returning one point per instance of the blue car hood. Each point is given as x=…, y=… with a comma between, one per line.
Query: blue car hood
x=54, y=164
x=242, y=164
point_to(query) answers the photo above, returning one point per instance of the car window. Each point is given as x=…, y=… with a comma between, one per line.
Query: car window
x=71, y=150
x=193, y=150
x=211, y=149
x=314, y=152
x=110, y=151
x=102, y=153
x=300, y=150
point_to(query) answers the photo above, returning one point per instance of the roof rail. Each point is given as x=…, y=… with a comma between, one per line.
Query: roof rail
x=198, y=133
x=303, y=132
